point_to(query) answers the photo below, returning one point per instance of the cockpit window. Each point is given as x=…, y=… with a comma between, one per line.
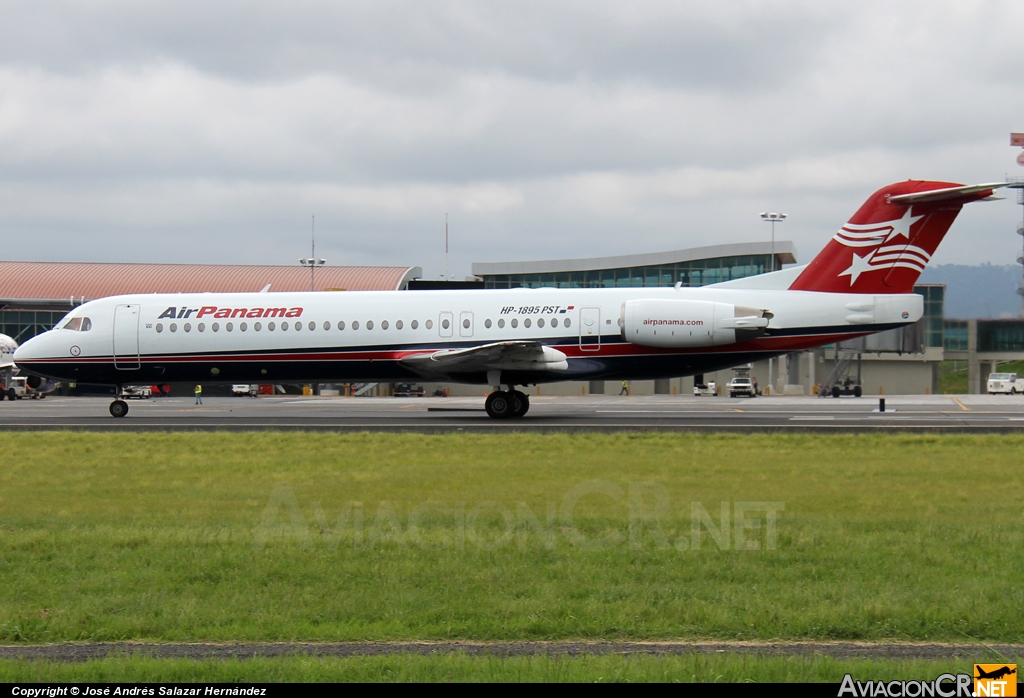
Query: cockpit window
x=78, y=324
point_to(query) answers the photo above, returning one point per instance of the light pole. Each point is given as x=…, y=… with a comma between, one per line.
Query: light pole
x=312, y=262
x=773, y=218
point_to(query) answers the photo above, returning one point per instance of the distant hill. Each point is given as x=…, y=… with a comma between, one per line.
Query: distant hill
x=986, y=291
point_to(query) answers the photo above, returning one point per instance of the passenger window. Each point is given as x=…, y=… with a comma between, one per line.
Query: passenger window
x=159, y=327
x=215, y=326
x=383, y=324
x=298, y=326
x=540, y=322
x=514, y=323
x=187, y=327
x=369, y=324
x=429, y=324
x=312, y=325
x=554, y=322
x=567, y=322
x=327, y=324
x=201, y=327
x=229, y=326
x=257, y=326
x=270, y=327
x=284, y=326
x=341, y=324
x=174, y=327
x=526, y=322
x=445, y=324
x=501, y=322
x=415, y=324
x=487, y=323
x=355, y=324
x=465, y=323
x=398, y=324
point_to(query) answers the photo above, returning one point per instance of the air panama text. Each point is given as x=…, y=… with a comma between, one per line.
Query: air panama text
x=674, y=322
x=214, y=311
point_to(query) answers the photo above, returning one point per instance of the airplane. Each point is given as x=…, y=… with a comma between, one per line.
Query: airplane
x=7, y=348
x=860, y=283
x=995, y=673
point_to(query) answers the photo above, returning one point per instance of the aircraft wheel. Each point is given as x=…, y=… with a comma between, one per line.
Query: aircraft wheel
x=835, y=391
x=857, y=392
x=118, y=408
x=521, y=402
x=499, y=405
x=12, y=394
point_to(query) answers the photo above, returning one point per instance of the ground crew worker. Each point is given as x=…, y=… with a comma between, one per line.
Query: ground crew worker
x=199, y=394
x=625, y=388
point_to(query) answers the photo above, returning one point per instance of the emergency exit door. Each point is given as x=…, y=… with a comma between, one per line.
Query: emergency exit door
x=590, y=329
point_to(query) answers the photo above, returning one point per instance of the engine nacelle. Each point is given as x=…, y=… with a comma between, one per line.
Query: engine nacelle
x=687, y=323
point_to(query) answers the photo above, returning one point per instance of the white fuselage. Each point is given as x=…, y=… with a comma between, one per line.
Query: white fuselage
x=342, y=336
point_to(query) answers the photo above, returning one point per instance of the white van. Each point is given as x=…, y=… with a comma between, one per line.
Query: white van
x=1007, y=383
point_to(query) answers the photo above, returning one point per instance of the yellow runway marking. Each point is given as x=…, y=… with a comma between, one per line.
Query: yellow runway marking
x=964, y=408
x=734, y=409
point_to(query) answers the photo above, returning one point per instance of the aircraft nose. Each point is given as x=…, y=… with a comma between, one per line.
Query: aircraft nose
x=27, y=351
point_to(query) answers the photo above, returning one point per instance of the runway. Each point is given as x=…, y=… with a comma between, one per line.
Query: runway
x=916, y=413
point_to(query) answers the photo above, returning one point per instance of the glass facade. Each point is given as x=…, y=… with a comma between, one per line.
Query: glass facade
x=23, y=325
x=934, y=298
x=1001, y=335
x=954, y=335
x=698, y=272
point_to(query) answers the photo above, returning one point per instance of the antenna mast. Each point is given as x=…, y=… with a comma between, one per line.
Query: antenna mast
x=446, y=246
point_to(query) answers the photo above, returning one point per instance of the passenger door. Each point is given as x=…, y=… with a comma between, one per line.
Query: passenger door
x=126, y=337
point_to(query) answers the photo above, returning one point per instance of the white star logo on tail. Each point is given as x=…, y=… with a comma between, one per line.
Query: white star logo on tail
x=881, y=255
x=858, y=266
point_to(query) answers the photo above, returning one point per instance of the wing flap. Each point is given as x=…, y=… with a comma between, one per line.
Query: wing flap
x=498, y=356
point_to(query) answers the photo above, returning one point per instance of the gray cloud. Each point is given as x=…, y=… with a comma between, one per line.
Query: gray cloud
x=195, y=131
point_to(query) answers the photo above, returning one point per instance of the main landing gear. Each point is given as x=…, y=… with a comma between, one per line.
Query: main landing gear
x=118, y=408
x=506, y=404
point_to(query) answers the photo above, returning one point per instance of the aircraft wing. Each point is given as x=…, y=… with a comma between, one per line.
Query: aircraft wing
x=499, y=356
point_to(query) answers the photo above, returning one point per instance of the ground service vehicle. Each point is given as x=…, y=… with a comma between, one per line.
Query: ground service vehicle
x=708, y=388
x=741, y=387
x=137, y=392
x=19, y=389
x=847, y=386
x=1007, y=383
x=860, y=283
x=409, y=390
x=245, y=389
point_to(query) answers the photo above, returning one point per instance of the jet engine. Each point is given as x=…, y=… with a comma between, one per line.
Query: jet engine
x=689, y=323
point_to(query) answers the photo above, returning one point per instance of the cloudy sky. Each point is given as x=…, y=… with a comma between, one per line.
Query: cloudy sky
x=212, y=131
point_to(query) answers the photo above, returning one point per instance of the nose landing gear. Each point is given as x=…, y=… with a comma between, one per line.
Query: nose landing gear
x=507, y=404
x=118, y=408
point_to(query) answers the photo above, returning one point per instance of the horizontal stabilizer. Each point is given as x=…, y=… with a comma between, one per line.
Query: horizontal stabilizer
x=948, y=194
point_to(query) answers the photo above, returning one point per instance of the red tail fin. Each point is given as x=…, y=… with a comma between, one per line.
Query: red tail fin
x=886, y=245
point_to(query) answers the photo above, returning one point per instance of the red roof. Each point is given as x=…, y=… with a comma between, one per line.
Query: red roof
x=59, y=281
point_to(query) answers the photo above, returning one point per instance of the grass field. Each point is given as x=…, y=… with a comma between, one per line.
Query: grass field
x=290, y=536
x=688, y=668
